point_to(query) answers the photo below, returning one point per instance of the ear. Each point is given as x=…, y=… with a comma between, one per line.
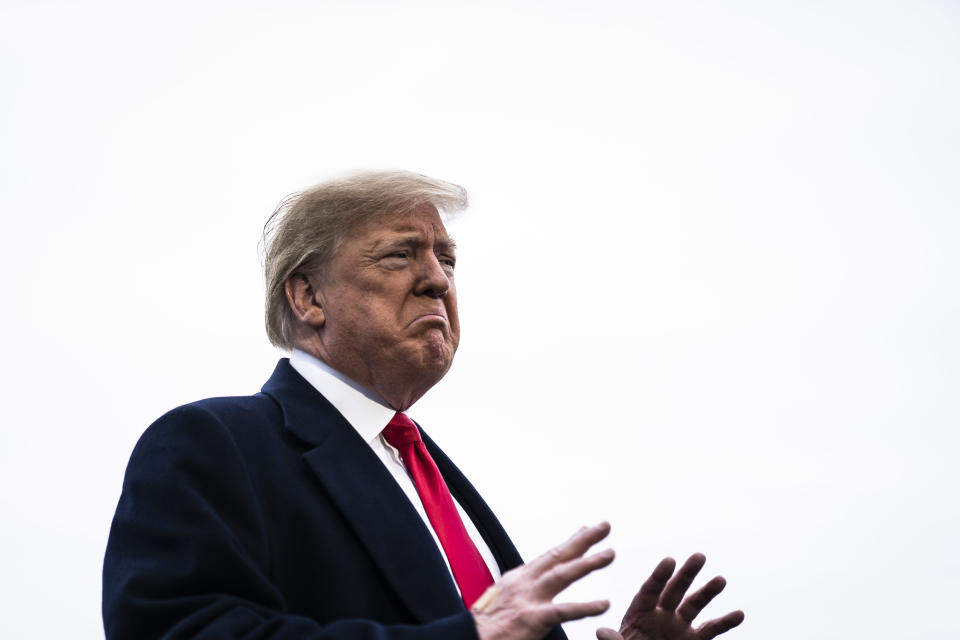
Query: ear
x=304, y=300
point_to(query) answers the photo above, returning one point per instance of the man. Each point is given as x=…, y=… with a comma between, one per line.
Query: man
x=316, y=508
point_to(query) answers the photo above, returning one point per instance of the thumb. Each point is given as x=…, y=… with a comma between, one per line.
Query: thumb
x=604, y=633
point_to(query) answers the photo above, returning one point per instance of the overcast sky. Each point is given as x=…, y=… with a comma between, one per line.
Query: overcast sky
x=708, y=281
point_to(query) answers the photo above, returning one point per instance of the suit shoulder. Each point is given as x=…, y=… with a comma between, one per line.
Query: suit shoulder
x=230, y=408
x=237, y=418
x=224, y=409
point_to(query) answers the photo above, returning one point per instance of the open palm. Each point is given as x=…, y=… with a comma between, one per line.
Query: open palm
x=659, y=611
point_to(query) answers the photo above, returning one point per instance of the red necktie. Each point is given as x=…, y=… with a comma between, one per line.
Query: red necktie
x=469, y=570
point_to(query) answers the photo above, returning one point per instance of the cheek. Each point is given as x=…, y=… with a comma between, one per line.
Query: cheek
x=454, y=319
x=450, y=303
x=387, y=315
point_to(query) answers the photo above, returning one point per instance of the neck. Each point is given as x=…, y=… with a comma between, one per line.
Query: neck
x=398, y=389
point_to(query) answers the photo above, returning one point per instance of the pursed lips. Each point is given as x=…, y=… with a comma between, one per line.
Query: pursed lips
x=429, y=316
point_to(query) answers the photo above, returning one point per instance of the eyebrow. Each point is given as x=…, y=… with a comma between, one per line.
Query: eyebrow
x=446, y=244
x=441, y=244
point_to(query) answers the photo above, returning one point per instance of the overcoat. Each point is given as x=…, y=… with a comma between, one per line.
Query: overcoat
x=268, y=516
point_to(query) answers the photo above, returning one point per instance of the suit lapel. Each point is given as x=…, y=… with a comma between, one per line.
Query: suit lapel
x=381, y=516
x=504, y=552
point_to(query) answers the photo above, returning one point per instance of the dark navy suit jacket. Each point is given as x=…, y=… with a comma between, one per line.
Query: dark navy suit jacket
x=268, y=516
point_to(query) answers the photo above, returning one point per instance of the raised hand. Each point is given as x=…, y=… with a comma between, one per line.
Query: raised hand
x=520, y=606
x=657, y=612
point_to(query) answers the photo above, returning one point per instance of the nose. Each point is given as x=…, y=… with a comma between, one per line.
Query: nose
x=433, y=281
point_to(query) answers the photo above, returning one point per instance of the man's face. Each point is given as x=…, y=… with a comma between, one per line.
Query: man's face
x=390, y=303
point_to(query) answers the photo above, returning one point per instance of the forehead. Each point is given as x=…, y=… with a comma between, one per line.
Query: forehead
x=423, y=223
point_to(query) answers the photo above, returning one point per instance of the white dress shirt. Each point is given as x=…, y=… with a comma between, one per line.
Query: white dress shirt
x=369, y=414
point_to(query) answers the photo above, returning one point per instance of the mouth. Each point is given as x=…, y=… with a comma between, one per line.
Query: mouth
x=429, y=317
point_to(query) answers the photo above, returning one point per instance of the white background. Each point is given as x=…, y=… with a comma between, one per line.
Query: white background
x=708, y=281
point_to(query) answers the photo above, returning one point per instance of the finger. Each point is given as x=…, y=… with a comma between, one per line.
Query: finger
x=605, y=633
x=678, y=585
x=567, y=611
x=574, y=547
x=563, y=575
x=713, y=628
x=696, y=601
x=649, y=593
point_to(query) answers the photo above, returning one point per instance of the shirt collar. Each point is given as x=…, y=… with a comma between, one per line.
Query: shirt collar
x=366, y=411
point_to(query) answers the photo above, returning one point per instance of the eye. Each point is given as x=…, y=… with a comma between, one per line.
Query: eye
x=403, y=254
x=448, y=261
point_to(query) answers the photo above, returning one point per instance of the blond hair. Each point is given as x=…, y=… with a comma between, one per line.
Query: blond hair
x=305, y=231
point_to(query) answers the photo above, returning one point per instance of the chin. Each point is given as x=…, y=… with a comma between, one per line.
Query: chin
x=436, y=355
x=438, y=361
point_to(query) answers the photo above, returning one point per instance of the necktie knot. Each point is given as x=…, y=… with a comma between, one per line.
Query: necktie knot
x=401, y=431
